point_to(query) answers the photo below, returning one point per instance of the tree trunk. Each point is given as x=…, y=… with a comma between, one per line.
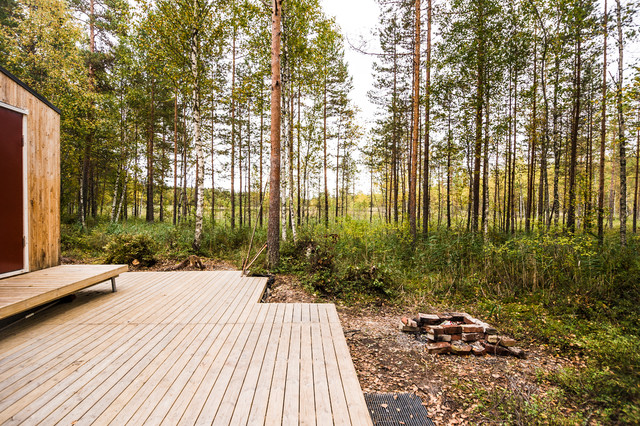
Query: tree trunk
x=394, y=152
x=554, y=214
x=533, y=139
x=273, y=233
x=478, y=117
x=571, y=213
x=175, y=159
x=150, y=206
x=485, y=172
x=603, y=132
x=337, y=175
x=621, y=130
x=292, y=220
x=413, y=173
x=261, y=194
x=514, y=154
x=213, y=169
x=426, y=198
x=324, y=156
x=249, y=163
x=449, y=148
x=195, y=60
x=635, y=192
x=240, y=199
x=298, y=194
x=162, y=174
x=233, y=131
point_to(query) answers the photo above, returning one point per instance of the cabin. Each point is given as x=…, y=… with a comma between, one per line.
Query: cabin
x=30, y=179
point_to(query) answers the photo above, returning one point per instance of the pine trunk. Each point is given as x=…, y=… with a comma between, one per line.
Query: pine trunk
x=273, y=232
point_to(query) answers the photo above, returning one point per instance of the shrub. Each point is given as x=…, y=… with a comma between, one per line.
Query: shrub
x=127, y=248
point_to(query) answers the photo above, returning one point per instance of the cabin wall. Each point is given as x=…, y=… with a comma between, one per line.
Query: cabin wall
x=43, y=173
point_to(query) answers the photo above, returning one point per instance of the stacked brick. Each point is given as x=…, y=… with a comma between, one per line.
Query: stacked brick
x=460, y=334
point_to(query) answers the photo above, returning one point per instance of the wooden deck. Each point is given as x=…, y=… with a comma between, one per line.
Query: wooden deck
x=179, y=348
x=22, y=292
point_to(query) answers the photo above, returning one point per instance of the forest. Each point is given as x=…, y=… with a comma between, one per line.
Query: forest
x=500, y=174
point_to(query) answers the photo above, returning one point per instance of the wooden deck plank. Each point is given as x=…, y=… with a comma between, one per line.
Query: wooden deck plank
x=275, y=403
x=179, y=348
x=199, y=397
x=34, y=388
x=291, y=409
x=260, y=401
x=339, y=408
x=320, y=380
x=22, y=377
x=80, y=376
x=355, y=399
x=224, y=394
x=136, y=397
x=115, y=375
x=307, y=395
x=205, y=404
x=242, y=405
x=166, y=396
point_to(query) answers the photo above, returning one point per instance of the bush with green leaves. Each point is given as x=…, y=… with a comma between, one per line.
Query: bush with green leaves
x=130, y=248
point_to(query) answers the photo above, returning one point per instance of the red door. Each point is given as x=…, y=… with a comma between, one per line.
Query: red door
x=11, y=192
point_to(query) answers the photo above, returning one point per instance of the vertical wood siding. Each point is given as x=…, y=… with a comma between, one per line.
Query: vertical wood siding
x=43, y=173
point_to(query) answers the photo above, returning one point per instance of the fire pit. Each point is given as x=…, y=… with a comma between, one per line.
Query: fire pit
x=461, y=334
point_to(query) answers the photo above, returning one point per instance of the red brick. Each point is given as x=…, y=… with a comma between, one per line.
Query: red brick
x=428, y=319
x=436, y=330
x=452, y=329
x=478, y=349
x=469, y=320
x=490, y=330
x=456, y=337
x=461, y=348
x=496, y=349
x=440, y=338
x=472, y=328
x=507, y=342
x=472, y=337
x=408, y=329
x=438, y=348
x=457, y=316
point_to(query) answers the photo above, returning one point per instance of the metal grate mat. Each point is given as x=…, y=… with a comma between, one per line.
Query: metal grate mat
x=388, y=409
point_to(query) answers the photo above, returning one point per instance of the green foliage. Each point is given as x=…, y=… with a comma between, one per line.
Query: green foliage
x=129, y=248
x=517, y=404
x=168, y=241
x=611, y=378
x=564, y=291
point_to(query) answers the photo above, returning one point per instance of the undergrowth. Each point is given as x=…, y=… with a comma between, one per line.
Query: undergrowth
x=566, y=292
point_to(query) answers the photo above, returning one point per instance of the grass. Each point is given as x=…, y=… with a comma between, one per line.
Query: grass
x=567, y=292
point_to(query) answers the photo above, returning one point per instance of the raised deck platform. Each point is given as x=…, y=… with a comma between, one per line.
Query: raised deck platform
x=22, y=292
x=179, y=348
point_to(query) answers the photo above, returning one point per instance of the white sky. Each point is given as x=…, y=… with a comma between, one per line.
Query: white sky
x=357, y=19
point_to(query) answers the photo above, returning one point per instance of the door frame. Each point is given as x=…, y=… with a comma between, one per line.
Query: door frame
x=25, y=191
